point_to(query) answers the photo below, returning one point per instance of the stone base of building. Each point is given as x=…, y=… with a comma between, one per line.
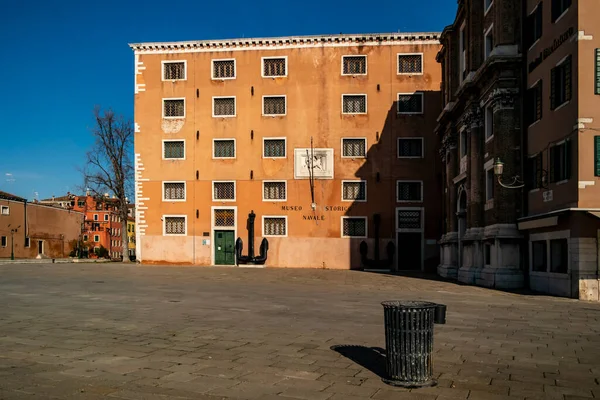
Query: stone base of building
x=448, y=267
x=500, y=278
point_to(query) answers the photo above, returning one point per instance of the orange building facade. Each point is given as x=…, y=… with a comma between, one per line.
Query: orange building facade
x=327, y=139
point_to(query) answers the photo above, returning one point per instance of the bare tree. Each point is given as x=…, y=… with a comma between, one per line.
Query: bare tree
x=109, y=163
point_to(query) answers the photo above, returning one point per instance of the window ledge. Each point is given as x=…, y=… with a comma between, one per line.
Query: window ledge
x=562, y=182
x=561, y=15
x=534, y=190
x=489, y=139
x=562, y=105
x=489, y=204
x=534, y=123
x=487, y=10
x=533, y=45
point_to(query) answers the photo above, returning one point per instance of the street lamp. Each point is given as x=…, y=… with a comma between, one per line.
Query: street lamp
x=12, y=241
x=516, y=183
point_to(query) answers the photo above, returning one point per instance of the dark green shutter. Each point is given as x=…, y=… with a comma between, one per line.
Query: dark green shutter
x=553, y=88
x=597, y=69
x=597, y=155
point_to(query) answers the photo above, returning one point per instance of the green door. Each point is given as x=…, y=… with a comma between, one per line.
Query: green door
x=224, y=248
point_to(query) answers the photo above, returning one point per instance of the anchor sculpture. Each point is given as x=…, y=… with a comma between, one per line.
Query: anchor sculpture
x=377, y=263
x=239, y=245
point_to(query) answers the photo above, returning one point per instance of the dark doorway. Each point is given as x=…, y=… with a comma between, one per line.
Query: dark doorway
x=40, y=247
x=409, y=250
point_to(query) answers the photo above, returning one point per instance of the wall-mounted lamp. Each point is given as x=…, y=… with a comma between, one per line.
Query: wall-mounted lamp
x=516, y=183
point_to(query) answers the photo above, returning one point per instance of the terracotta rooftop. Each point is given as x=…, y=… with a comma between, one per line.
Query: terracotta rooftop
x=9, y=196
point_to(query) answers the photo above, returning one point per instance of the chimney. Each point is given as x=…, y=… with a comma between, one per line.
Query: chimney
x=52, y=197
x=87, y=192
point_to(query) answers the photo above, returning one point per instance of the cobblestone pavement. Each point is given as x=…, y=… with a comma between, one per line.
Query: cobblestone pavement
x=128, y=332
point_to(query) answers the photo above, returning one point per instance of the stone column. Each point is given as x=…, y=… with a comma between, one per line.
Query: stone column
x=449, y=242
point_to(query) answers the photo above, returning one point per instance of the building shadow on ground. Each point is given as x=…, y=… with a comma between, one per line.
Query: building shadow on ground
x=371, y=358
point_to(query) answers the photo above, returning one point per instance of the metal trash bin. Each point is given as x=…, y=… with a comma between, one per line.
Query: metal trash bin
x=409, y=341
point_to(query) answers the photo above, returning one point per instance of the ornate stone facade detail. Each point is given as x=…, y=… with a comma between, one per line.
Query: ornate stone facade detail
x=501, y=99
x=449, y=142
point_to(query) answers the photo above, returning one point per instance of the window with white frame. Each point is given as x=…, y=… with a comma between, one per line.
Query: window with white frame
x=95, y=217
x=354, y=191
x=85, y=238
x=274, y=67
x=559, y=7
x=274, y=148
x=354, y=104
x=223, y=69
x=489, y=183
x=410, y=218
x=175, y=225
x=274, y=226
x=5, y=210
x=174, y=149
x=3, y=241
x=410, y=147
x=354, y=227
x=410, y=103
x=223, y=106
x=96, y=238
x=354, y=147
x=354, y=65
x=174, y=70
x=409, y=191
x=489, y=41
x=223, y=190
x=106, y=217
x=274, y=105
x=223, y=148
x=409, y=64
x=173, y=108
x=274, y=190
x=489, y=122
x=174, y=190
x=224, y=217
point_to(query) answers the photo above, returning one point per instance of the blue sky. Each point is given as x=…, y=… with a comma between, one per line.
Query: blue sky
x=62, y=57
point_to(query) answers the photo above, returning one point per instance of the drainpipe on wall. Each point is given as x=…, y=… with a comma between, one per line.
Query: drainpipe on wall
x=524, y=146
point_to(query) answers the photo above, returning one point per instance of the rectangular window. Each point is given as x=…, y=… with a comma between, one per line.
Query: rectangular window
x=174, y=149
x=410, y=103
x=354, y=148
x=223, y=148
x=463, y=143
x=174, y=70
x=95, y=217
x=560, y=84
x=538, y=256
x=560, y=162
x=80, y=203
x=463, y=53
x=274, y=226
x=354, y=227
x=96, y=238
x=597, y=71
x=534, y=180
x=223, y=69
x=559, y=256
x=410, y=219
x=27, y=242
x=488, y=4
x=274, y=105
x=534, y=103
x=174, y=191
x=274, y=148
x=489, y=41
x=223, y=106
x=409, y=191
x=489, y=184
x=596, y=155
x=489, y=122
x=354, y=191
x=274, y=67
x=175, y=225
x=3, y=241
x=533, y=28
x=106, y=217
x=354, y=65
x=223, y=191
x=5, y=210
x=559, y=7
x=174, y=108
x=354, y=104
x=410, y=64
x=487, y=253
x=275, y=191
x=85, y=238
x=224, y=217
x=410, y=147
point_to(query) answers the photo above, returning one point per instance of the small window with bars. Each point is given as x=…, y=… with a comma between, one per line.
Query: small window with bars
x=175, y=225
x=354, y=227
x=224, y=217
x=410, y=103
x=354, y=65
x=275, y=191
x=224, y=148
x=174, y=190
x=274, y=105
x=174, y=71
x=354, y=104
x=354, y=191
x=223, y=69
x=409, y=219
x=173, y=108
x=409, y=64
x=354, y=148
x=274, y=67
x=174, y=149
x=223, y=191
x=410, y=147
x=274, y=226
x=409, y=191
x=223, y=106
x=274, y=148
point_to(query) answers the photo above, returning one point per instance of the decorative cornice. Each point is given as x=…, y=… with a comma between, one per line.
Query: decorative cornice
x=374, y=39
x=500, y=99
x=472, y=118
x=448, y=142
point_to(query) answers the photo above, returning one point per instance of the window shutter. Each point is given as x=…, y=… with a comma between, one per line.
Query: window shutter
x=539, y=20
x=567, y=159
x=551, y=171
x=567, y=72
x=597, y=155
x=555, y=9
x=553, y=89
x=529, y=106
x=540, y=103
x=597, y=81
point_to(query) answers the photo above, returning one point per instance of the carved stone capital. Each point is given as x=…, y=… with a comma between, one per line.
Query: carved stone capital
x=500, y=99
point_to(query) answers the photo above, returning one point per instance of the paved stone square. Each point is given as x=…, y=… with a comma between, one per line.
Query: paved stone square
x=84, y=331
